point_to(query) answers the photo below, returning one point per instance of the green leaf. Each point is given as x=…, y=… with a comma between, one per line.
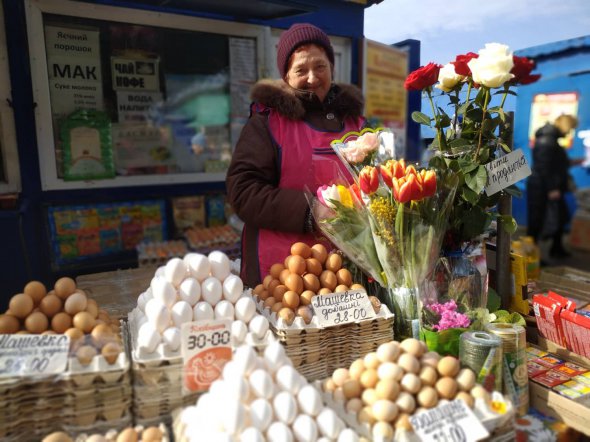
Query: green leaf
x=480, y=97
x=453, y=99
x=469, y=195
x=502, y=92
x=508, y=223
x=514, y=191
x=516, y=318
x=494, y=300
x=421, y=118
x=477, y=181
x=475, y=114
x=505, y=147
x=463, y=108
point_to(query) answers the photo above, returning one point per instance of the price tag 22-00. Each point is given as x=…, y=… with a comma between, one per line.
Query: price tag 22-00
x=450, y=422
x=342, y=308
x=206, y=348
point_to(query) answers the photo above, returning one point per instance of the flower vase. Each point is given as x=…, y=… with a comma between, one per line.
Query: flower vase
x=445, y=342
x=404, y=303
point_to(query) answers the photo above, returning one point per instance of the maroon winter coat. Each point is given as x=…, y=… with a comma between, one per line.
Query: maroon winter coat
x=254, y=172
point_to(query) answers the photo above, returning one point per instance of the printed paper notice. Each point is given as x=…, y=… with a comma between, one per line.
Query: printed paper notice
x=506, y=171
x=342, y=308
x=28, y=355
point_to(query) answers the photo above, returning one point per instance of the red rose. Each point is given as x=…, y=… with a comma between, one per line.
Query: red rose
x=422, y=77
x=461, y=61
x=522, y=71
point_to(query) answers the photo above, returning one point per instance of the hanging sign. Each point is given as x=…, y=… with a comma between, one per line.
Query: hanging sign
x=134, y=74
x=342, y=308
x=505, y=171
x=27, y=355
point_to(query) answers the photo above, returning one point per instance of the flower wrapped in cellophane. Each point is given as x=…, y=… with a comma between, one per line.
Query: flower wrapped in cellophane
x=406, y=209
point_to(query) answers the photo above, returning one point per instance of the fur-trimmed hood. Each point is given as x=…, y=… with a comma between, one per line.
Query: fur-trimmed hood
x=344, y=100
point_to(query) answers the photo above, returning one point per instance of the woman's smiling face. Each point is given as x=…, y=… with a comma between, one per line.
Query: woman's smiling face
x=310, y=70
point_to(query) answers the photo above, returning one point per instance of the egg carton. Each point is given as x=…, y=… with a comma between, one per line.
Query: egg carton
x=84, y=434
x=107, y=415
x=162, y=377
x=493, y=422
x=99, y=426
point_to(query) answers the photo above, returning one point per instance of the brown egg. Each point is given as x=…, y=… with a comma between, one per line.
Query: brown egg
x=151, y=434
x=276, y=307
x=465, y=379
x=311, y=282
x=258, y=289
x=344, y=277
x=36, y=290
x=341, y=288
x=357, y=368
x=64, y=287
x=75, y=334
x=352, y=388
x=333, y=262
x=49, y=332
x=387, y=389
x=329, y=385
x=36, y=323
x=84, y=321
x=305, y=297
x=61, y=322
x=21, y=305
x=266, y=281
x=50, y=305
x=446, y=387
x=465, y=397
x=283, y=276
x=85, y=354
x=428, y=375
x=276, y=269
x=287, y=315
x=403, y=422
x=312, y=265
x=385, y=411
x=340, y=376
x=357, y=287
x=409, y=363
x=354, y=405
x=301, y=249
x=264, y=295
x=279, y=291
x=58, y=436
x=324, y=291
x=448, y=366
x=319, y=252
x=291, y=300
x=273, y=285
x=110, y=352
x=328, y=280
x=92, y=307
x=75, y=303
x=286, y=262
x=306, y=313
x=406, y=402
x=295, y=283
x=269, y=302
x=412, y=346
x=8, y=324
x=102, y=334
x=297, y=265
x=365, y=416
x=127, y=435
x=427, y=397
x=369, y=378
x=375, y=303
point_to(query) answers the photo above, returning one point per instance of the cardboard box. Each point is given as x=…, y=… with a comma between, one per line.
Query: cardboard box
x=576, y=330
x=580, y=231
x=547, y=310
x=567, y=281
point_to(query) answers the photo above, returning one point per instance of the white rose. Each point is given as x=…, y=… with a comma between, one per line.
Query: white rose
x=448, y=78
x=492, y=67
x=331, y=194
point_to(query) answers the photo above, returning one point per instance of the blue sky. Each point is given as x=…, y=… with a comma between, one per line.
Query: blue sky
x=446, y=29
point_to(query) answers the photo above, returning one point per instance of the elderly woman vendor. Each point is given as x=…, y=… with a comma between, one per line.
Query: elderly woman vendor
x=284, y=148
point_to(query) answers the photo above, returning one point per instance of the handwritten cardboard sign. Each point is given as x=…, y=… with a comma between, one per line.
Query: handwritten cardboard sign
x=505, y=171
x=27, y=355
x=342, y=308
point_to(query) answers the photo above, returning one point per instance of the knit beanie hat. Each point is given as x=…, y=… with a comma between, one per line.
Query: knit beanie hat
x=297, y=35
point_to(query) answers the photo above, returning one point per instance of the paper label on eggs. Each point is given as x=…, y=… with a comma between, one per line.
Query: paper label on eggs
x=30, y=355
x=342, y=308
x=453, y=421
x=206, y=348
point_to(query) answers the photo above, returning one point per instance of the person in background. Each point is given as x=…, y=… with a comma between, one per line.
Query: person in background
x=284, y=148
x=549, y=182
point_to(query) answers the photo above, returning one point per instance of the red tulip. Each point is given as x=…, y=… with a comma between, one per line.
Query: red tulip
x=392, y=169
x=354, y=189
x=428, y=179
x=369, y=180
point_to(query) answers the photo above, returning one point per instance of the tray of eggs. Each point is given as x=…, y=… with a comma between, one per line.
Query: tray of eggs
x=95, y=338
x=195, y=287
x=130, y=434
x=378, y=393
x=284, y=296
x=261, y=397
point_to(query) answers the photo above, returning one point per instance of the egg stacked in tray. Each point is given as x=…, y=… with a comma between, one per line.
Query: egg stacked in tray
x=94, y=391
x=195, y=287
x=129, y=434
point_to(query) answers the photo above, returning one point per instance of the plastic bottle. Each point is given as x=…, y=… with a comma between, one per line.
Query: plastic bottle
x=533, y=267
x=516, y=247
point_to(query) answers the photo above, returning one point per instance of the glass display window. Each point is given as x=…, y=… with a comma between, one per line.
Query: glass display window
x=129, y=97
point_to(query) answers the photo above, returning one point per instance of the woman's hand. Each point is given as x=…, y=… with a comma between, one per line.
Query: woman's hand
x=554, y=195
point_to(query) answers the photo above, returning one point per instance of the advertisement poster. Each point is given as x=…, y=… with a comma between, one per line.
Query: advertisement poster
x=92, y=230
x=74, y=69
x=545, y=108
x=135, y=74
x=134, y=106
x=385, y=71
x=142, y=149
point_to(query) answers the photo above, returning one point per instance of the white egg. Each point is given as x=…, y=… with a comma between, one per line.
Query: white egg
x=148, y=338
x=252, y=434
x=202, y=310
x=141, y=301
x=211, y=290
x=175, y=271
x=245, y=359
x=163, y=291
x=279, y=432
x=190, y=291
x=305, y=429
x=239, y=330
x=258, y=326
x=198, y=266
x=310, y=400
x=233, y=417
x=245, y=309
x=348, y=435
x=275, y=356
x=329, y=424
x=240, y=386
x=220, y=264
x=224, y=310
x=181, y=312
x=233, y=287
x=158, y=314
x=289, y=379
x=285, y=407
x=171, y=337
x=261, y=414
x=159, y=271
x=261, y=384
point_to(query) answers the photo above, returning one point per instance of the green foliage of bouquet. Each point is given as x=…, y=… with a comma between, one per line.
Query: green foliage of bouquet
x=476, y=132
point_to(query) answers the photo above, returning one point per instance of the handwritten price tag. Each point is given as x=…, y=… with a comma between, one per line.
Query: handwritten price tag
x=27, y=355
x=506, y=171
x=342, y=308
x=206, y=348
x=450, y=422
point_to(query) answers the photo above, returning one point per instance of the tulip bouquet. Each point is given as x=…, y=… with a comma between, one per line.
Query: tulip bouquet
x=475, y=131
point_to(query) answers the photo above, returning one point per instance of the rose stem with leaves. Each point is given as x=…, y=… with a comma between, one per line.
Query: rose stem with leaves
x=483, y=118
